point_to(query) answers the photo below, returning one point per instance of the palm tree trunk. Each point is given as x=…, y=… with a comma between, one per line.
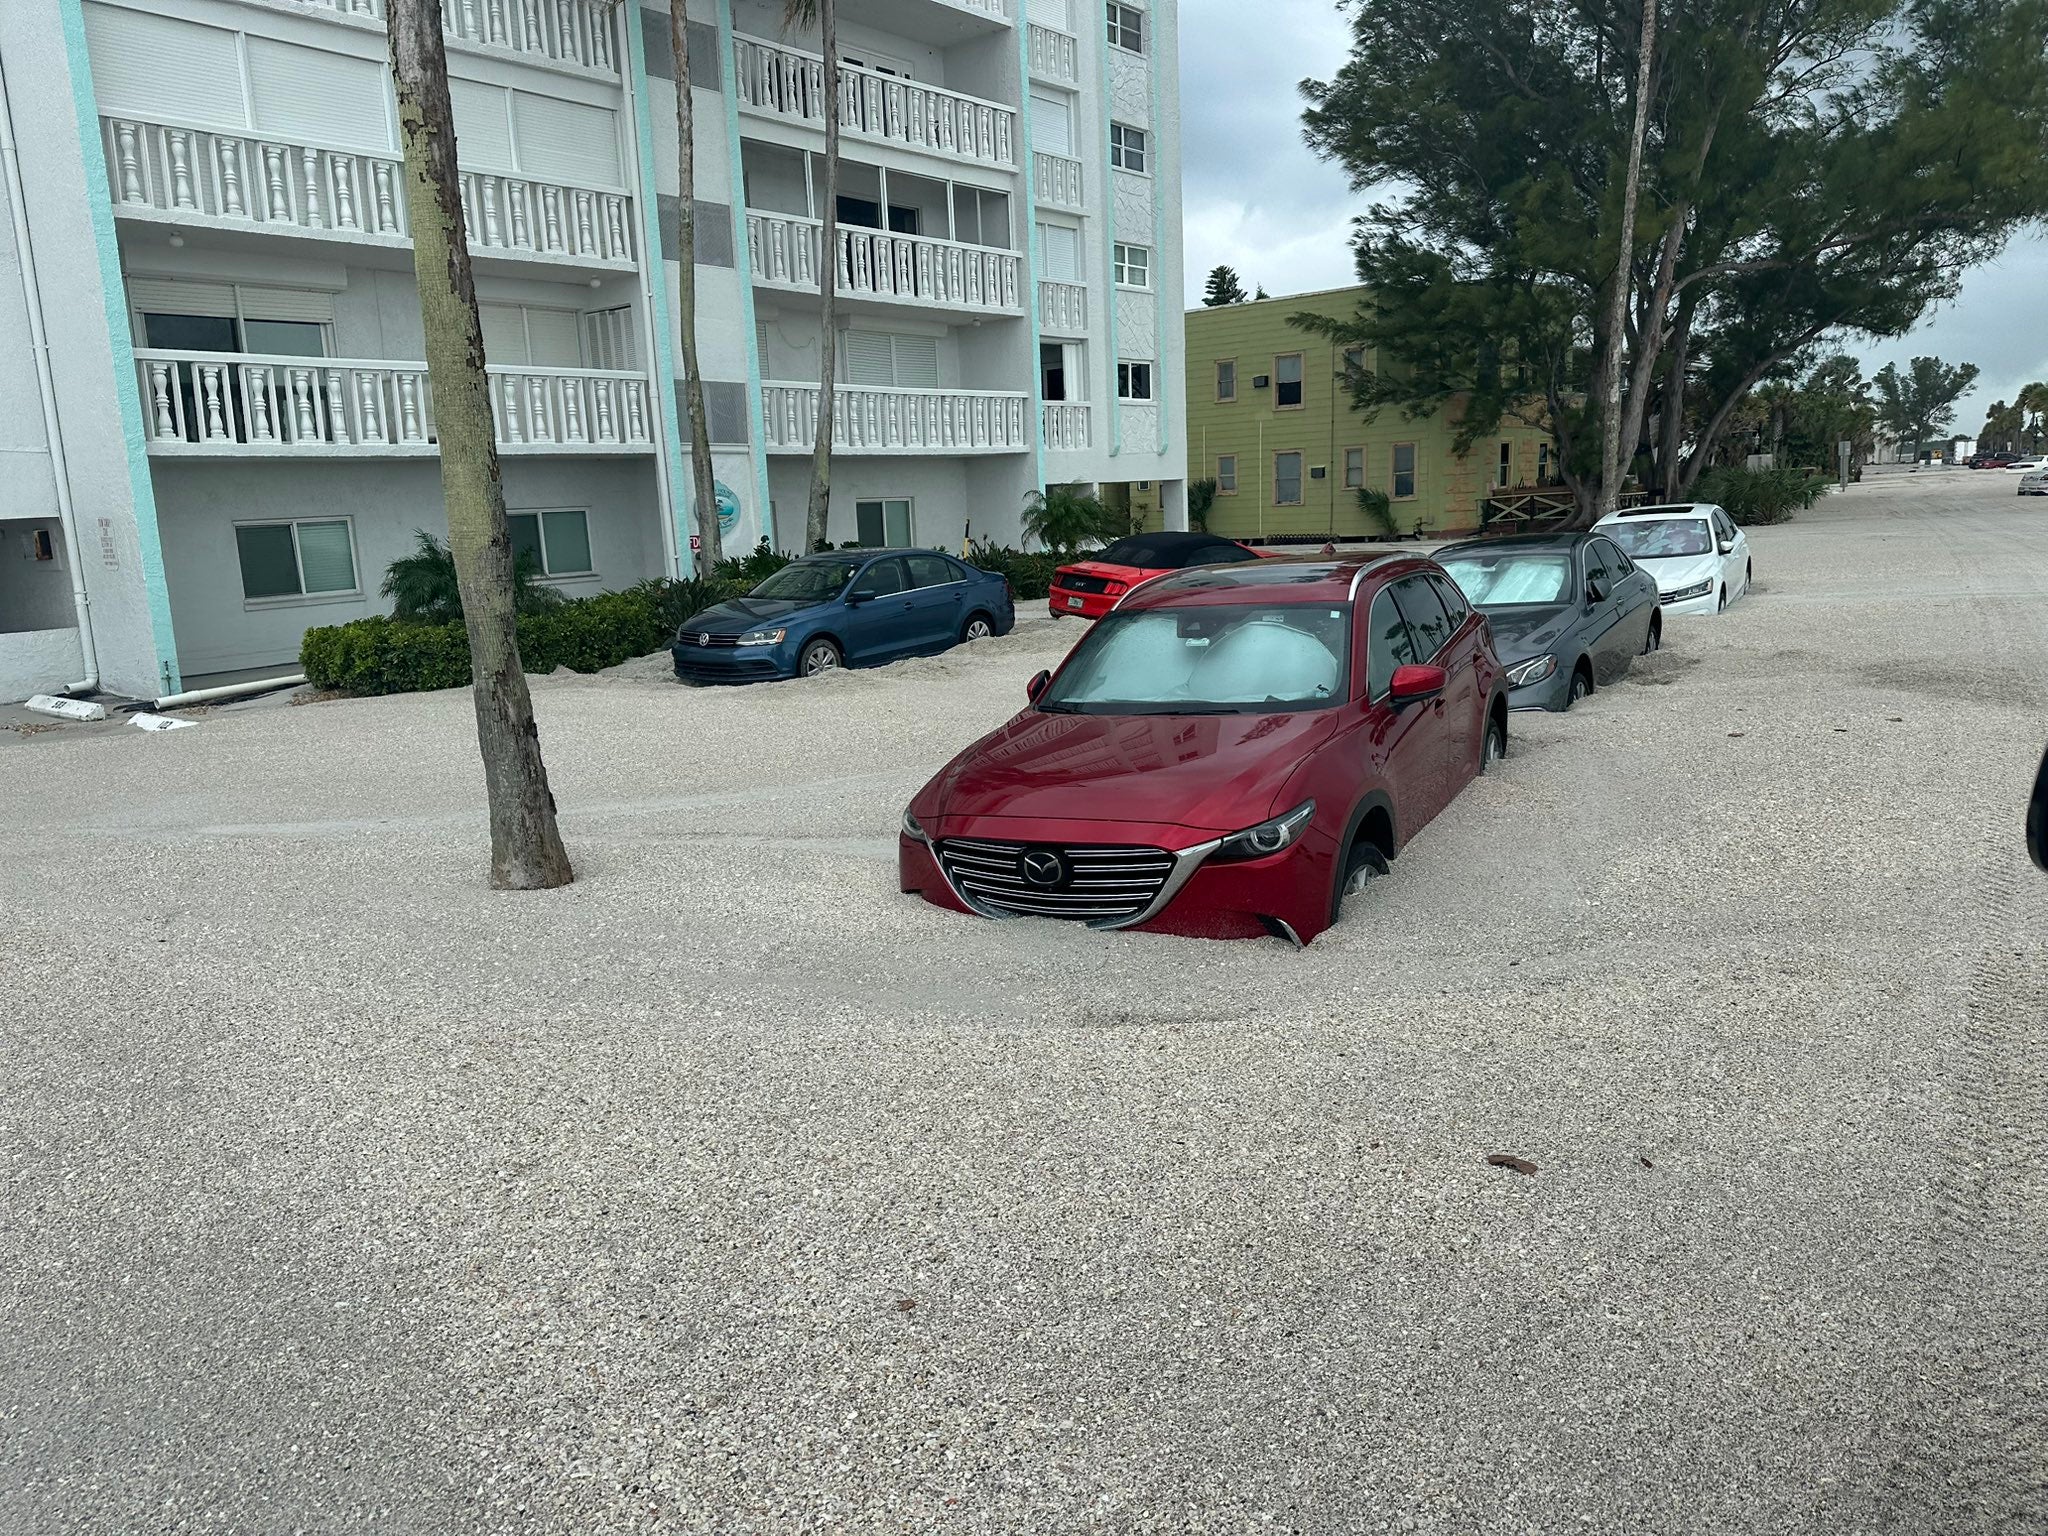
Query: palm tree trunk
x=703, y=487
x=526, y=845
x=1608, y=494
x=817, y=515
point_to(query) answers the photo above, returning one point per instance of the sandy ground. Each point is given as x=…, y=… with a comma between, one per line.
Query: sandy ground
x=729, y=1190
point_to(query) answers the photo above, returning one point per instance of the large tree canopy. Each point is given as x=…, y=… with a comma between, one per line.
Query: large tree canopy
x=1811, y=168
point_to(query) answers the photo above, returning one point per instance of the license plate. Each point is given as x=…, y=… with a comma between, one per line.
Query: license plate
x=1073, y=602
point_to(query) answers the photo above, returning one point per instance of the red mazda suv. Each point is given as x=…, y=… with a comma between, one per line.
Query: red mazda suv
x=1228, y=753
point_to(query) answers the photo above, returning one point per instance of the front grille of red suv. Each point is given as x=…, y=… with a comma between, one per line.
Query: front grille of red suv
x=1095, y=884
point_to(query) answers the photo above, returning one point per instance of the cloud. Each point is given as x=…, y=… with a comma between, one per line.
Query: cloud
x=1994, y=322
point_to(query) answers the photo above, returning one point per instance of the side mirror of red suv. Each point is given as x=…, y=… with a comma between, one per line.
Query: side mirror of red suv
x=1036, y=686
x=1412, y=683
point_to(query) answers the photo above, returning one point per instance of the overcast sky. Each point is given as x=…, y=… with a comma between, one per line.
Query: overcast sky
x=1256, y=199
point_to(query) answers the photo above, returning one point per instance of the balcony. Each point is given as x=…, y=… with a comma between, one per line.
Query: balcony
x=562, y=31
x=882, y=265
x=1062, y=308
x=190, y=176
x=241, y=405
x=184, y=175
x=788, y=84
x=890, y=421
x=1056, y=180
x=1065, y=425
x=1055, y=56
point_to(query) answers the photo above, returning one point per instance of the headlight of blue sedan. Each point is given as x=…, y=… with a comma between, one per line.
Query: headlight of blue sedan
x=763, y=637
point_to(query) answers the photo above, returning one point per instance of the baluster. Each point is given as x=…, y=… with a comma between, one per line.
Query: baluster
x=586, y=237
x=387, y=198
x=256, y=402
x=494, y=11
x=309, y=167
x=363, y=7
x=600, y=37
x=636, y=412
x=618, y=247
x=278, y=196
x=469, y=207
x=540, y=425
x=409, y=408
x=465, y=13
x=227, y=157
x=212, y=408
x=335, y=401
x=163, y=421
x=572, y=412
x=128, y=162
x=369, y=405
x=551, y=216
x=565, y=31
x=488, y=186
x=178, y=143
x=341, y=171
x=508, y=427
x=531, y=37
x=304, y=424
x=515, y=208
x=604, y=412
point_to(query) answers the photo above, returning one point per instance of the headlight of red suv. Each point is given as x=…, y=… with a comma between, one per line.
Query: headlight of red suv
x=1268, y=837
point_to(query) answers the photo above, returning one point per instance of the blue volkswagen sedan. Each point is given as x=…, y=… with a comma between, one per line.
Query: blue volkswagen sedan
x=848, y=608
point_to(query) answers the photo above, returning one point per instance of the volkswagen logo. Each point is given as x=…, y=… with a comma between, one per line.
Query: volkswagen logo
x=704, y=639
x=1042, y=869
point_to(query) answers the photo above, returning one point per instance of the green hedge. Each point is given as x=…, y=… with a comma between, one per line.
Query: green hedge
x=587, y=634
x=1753, y=496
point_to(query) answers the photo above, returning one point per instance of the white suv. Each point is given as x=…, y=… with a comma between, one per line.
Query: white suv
x=1693, y=548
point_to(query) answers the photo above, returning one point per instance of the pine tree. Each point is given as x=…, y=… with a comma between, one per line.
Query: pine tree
x=1224, y=288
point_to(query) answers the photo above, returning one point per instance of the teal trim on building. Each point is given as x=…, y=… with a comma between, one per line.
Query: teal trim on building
x=1161, y=395
x=99, y=199
x=743, y=269
x=656, y=267
x=1112, y=399
x=1037, y=390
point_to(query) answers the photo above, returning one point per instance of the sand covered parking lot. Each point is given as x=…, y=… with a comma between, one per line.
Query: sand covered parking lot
x=729, y=1190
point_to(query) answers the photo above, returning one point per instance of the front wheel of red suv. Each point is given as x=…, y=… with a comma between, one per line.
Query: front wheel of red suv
x=1495, y=746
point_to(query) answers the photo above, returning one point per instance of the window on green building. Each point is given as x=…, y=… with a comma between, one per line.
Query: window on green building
x=1286, y=479
x=1404, y=471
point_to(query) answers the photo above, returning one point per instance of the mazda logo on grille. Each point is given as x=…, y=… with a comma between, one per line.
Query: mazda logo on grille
x=1042, y=869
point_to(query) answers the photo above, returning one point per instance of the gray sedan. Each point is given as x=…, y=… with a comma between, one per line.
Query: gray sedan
x=1569, y=611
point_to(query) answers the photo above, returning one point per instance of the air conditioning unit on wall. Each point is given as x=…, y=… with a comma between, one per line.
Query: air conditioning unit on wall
x=1262, y=381
x=1318, y=471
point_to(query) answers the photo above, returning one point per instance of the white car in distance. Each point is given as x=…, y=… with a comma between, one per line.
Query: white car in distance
x=2034, y=482
x=1693, y=548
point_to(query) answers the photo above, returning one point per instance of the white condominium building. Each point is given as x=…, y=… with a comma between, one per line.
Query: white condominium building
x=215, y=425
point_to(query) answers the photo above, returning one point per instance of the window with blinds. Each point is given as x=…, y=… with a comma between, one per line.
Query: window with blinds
x=880, y=360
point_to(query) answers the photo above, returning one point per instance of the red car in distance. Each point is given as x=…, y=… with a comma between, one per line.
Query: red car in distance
x=1229, y=753
x=1091, y=587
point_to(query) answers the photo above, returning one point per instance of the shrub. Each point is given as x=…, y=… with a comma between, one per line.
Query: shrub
x=1063, y=518
x=1754, y=496
x=423, y=589
x=1377, y=508
x=748, y=570
x=1201, y=500
x=1029, y=575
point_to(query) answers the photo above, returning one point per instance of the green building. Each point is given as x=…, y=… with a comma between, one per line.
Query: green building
x=1269, y=420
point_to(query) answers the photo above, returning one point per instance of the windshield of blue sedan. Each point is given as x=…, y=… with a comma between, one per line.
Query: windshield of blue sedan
x=1206, y=661
x=1666, y=539
x=1492, y=579
x=809, y=581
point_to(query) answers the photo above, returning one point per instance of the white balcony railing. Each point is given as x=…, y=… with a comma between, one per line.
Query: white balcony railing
x=994, y=10
x=1065, y=424
x=186, y=174
x=775, y=81
x=880, y=264
x=570, y=31
x=1056, y=180
x=1062, y=307
x=867, y=420
x=213, y=403
x=1055, y=56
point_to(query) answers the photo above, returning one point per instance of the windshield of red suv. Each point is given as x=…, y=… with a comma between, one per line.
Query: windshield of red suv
x=1662, y=540
x=1206, y=661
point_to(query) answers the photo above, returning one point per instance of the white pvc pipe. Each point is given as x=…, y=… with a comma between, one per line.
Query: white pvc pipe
x=227, y=691
x=53, y=432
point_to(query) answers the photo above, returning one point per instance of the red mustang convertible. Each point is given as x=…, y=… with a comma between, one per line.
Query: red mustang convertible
x=1229, y=753
x=1092, y=586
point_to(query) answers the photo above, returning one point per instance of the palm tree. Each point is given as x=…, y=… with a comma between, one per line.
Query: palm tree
x=2033, y=401
x=526, y=845
x=1064, y=517
x=425, y=589
x=703, y=487
x=823, y=14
